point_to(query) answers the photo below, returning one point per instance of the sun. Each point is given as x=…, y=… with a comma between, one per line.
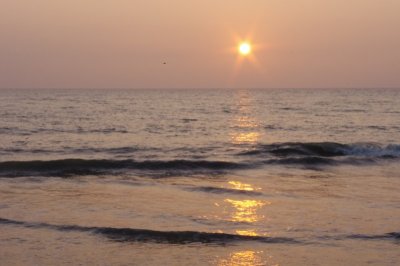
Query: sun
x=244, y=48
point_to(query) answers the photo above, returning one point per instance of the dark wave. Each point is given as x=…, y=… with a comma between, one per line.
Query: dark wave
x=70, y=167
x=89, y=150
x=123, y=150
x=79, y=130
x=326, y=149
x=184, y=237
x=315, y=155
x=143, y=235
x=391, y=235
x=219, y=190
x=313, y=160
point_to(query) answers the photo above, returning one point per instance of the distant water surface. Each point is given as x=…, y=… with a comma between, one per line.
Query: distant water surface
x=200, y=177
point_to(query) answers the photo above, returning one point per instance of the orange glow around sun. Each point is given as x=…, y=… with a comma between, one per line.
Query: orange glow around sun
x=244, y=48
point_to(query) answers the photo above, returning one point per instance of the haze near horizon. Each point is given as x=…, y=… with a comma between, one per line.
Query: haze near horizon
x=181, y=44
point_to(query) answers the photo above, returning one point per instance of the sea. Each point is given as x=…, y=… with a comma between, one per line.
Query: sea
x=199, y=177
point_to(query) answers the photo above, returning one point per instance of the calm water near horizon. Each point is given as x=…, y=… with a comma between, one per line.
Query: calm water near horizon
x=200, y=177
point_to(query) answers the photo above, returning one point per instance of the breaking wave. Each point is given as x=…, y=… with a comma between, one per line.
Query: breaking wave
x=326, y=149
x=312, y=155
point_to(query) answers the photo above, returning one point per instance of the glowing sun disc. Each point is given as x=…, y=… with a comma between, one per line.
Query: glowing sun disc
x=244, y=48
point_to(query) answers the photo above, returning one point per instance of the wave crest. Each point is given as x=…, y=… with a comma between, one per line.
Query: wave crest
x=144, y=235
x=326, y=149
x=72, y=167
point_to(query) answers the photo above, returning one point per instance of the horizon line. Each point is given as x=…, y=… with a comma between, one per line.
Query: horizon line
x=189, y=88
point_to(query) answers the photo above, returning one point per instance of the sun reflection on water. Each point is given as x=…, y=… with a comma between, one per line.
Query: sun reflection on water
x=247, y=232
x=245, y=124
x=242, y=186
x=243, y=258
x=246, y=210
x=248, y=137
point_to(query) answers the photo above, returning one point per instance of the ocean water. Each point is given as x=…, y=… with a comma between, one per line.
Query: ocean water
x=200, y=177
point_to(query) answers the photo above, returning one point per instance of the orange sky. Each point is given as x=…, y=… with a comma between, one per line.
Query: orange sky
x=123, y=43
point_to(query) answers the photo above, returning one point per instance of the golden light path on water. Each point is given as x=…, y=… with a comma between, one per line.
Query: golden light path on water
x=246, y=210
x=242, y=186
x=250, y=137
x=242, y=210
x=243, y=258
x=247, y=126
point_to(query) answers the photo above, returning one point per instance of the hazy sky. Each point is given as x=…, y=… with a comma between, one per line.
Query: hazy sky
x=123, y=43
